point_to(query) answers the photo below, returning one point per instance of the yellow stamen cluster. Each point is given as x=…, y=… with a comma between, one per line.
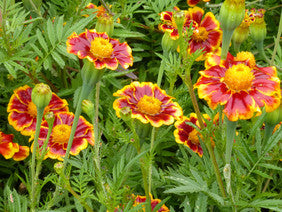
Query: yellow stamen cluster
x=200, y=34
x=101, y=48
x=239, y=77
x=246, y=56
x=61, y=133
x=149, y=105
x=31, y=108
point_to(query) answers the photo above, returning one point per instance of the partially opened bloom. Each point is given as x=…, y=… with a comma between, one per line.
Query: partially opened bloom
x=99, y=48
x=193, y=3
x=148, y=103
x=240, y=86
x=60, y=134
x=22, y=111
x=7, y=147
x=169, y=23
x=258, y=26
x=187, y=135
x=208, y=35
x=154, y=202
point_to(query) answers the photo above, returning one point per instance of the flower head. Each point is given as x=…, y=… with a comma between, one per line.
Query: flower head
x=240, y=85
x=188, y=135
x=22, y=111
x=99, y=48
x=60, y=134
x=12, y=150
x=258, y=26
x=193, y=3
x=208, y=35
x=154, y=202
x=148, y=103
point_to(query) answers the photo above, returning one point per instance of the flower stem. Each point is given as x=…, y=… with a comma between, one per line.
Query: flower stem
x=33, y=197
x=188, y=82
x=276, y=41
x=226, y=39
x=262, y=52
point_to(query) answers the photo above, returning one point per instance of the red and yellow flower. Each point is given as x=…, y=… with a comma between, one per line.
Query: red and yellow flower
x=99, y=48
x=208, y=35
x=240, y=85
x=12, y=150
x=60, y=134
x=22, y=111
x=187, y=135
x=169, y=24
x=148, y=103
x=154, y=202
x=193, y=3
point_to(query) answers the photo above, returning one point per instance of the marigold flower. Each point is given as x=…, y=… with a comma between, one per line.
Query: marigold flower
x=7, y=147
x=22, y=111
x=208, y=36
x=241, y=86
x=189, y=136
x=99, y=48
x=193, y=3
x=60, y=134
x=154, y=202
x=148, y=103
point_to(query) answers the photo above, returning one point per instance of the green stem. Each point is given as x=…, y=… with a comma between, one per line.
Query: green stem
x=230, y=135
x=33, y=197
x=236, y=47
x=262, y=52
x=188, y=82
x=226, y=39
x=276, y=41
x=151, y=159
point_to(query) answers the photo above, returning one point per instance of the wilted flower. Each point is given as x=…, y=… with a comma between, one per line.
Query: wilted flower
x=148, y=103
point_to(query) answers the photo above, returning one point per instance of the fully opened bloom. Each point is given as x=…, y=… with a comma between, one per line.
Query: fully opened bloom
x=99, y=48
x=148, y=103
x=60, y=134
x=240, y=86
x=22, y=111
x=208, y=35
x=154, y=202
x=187, y=135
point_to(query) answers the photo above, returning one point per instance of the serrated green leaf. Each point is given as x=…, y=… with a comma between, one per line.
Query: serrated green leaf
x=184, y=189
x=201, y=203
x=127, y=34
x=18, y=66
x=47, y=64
x=51, y=33
x=58, y=59
x=59, y=27
x=10, y=69
x=63, y=50
x=270, y=166
x=41, y=40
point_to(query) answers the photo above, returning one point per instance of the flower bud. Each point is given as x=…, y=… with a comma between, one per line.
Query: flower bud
x=50, y=118
x=169, y=44
x=125, y=113
x=41, y=95
x=258, y=27
x=88, y=108
x=232, y=13
x=105, y=23
x=272, y=117
x=179, y=18
x=58, y=167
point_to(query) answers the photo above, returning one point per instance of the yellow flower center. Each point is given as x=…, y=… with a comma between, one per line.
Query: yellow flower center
x=149, y=105
x=246, y=56
x=194, y=137
x=101, y=48
x=61, y=133
x=31, y=108
x=200, y=34
x=238, y=77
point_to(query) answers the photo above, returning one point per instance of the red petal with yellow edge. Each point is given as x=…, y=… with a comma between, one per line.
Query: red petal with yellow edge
x=196, y=14
x=78, y=145
x=192, y=3
x=166, y=16
x=106, y=63
x=92, y=34
x=20, y=120
x=57, y=103
x=212, y=60
x=8, y=149
x=240, y=106
x=24, y=94
x=159, y=120
x=214, y=38
x=122, y=53
x=210, y=22
x=78, y=45
x=270, y=102
x=16, y=105
x=22, y=154
x=161, y=95
x=269, y=70
x=167, y=28
x=265, y=84
x=214, y=72
x=6, y=137
x=128, y=92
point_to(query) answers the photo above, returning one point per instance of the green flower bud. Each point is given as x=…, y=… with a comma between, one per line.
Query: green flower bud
x=105, y=24
x=58, y=167
x=258, y=27
x=179, y=17
x=41, y=95
x=272, y=117
x=88, y=108
x=169, y=44
x=125, y=113
x=50, y=118
x=232, y=13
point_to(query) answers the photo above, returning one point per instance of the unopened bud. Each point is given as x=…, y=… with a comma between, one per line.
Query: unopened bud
x=169, y=44
x=125, y=113
x=258, y=27
x=58, y=167
x=41, y=95
x=105, y=24
x=88, y=108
